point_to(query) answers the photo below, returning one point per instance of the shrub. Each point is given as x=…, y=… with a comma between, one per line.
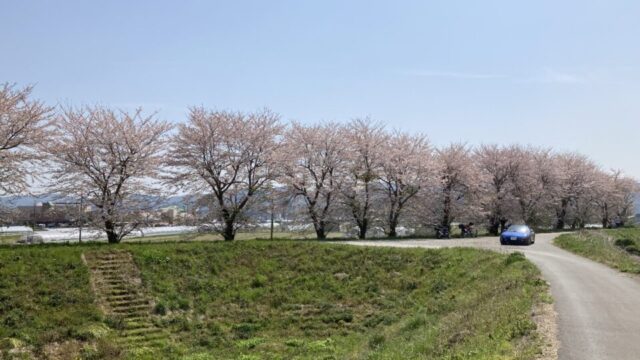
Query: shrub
x=513, y=258
x=160, y=309
x=628, y=245
x=376, y=341
x=259, y=281
x=244, y=330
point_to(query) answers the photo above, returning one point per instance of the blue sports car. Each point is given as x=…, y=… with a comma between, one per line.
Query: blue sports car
x=518, y=234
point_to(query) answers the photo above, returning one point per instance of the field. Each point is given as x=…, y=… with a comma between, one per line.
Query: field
x=244, y=235
x=252, y=234
x=278, y=300
x=9, y=239
x=618, y=248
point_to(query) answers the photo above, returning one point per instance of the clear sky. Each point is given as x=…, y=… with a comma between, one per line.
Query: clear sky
x=554, y=73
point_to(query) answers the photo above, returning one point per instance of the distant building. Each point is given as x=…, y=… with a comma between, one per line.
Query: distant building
x=67, y=214
x=49, y=214
x=169, y=214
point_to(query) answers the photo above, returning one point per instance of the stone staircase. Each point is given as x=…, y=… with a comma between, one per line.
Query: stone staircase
x=116, y=282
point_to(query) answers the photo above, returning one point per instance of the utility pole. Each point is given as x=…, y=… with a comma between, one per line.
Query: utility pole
x=272, y=210
x=80, y=218
x=34, y=216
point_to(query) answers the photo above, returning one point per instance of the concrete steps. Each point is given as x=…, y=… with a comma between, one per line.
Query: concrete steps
x=116, y=281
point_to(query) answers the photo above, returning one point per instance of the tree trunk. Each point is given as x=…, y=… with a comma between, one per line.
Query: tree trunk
x=362, y=227
x=496, y=220
x=321, y=233
x=110, y=229
x=229, y=232
x=525, y=213
x=446, y=221
x=393, y=223
x=605, y=216
x=494, y=226
x=503, y=225
x=319, y=224
x=360, y=217
x=446, y=218
x=561, y=215
x=392, y=229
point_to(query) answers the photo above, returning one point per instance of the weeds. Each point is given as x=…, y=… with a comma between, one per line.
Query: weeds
x=617, y=248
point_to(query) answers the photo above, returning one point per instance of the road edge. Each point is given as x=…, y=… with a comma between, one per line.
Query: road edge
x=545, y=317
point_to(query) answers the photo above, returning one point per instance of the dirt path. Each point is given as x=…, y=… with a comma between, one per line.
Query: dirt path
x=598, y=307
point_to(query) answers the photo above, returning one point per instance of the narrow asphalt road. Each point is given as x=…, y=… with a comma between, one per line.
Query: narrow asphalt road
x=598, y=307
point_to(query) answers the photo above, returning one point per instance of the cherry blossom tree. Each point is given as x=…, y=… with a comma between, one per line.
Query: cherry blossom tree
x=603, y=196
x=230, y=155
x=534, y=184
x=365, y=139
x=458, y=184
x=406, y=164
x=575, y=178
x=624, y=190
x=24, y=125
x=8, y=214
x=497, y=166
x=110, y=157
x=239, y=163
x=313, y=158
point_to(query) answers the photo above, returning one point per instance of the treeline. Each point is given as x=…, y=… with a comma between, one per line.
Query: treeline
x=356, y=172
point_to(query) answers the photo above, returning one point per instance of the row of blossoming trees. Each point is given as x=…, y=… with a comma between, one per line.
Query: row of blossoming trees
x=356, y=172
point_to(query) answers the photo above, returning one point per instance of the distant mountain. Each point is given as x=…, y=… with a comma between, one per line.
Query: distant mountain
x=27, y=200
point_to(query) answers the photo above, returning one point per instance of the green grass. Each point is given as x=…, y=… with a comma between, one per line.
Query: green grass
x=44, y=295
x=245, y=235
x=9, y=239
x=287, y=300
x=617, y=248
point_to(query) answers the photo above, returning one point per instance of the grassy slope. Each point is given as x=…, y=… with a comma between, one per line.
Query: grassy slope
x=613, y=247
x=45, y=295
x=259, y=299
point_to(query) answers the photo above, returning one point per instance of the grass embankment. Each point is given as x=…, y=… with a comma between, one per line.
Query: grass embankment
x=45, y=298
x=275, y=300
x=617, y=248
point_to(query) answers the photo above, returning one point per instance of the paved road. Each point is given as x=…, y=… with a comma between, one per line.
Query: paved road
x=598, y=307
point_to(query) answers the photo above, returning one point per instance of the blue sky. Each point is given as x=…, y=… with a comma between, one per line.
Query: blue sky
x=553, y=73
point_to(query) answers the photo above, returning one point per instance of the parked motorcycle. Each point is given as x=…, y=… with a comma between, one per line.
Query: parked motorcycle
x=442, y=232
x=467, y=230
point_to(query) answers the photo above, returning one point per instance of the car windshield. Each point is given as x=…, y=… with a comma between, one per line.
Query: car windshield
x=518, y=228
